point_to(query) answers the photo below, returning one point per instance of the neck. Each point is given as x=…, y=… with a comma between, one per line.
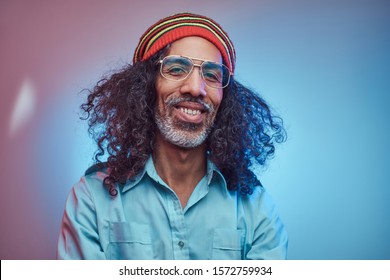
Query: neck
x=180, y=168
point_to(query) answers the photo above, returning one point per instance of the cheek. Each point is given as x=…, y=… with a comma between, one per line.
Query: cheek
x=159, y=87
x=216, y=98
x=164, y=88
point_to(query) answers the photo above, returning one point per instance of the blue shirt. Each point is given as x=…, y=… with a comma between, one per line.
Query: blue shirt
x=146, y=221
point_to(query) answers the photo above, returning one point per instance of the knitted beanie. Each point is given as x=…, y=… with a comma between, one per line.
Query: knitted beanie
x=175, y=27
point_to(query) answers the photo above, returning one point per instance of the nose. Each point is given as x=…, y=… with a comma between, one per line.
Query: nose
x=194, y=84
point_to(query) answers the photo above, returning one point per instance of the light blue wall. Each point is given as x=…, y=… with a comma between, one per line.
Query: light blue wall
x=326, y=69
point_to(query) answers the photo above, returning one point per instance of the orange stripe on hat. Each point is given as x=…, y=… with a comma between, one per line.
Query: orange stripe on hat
x=170, y=29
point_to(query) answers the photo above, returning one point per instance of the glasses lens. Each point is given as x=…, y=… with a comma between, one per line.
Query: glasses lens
x=215, y=75
x=176, y=67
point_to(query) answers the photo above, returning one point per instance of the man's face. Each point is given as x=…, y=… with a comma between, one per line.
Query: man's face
x=186, y=110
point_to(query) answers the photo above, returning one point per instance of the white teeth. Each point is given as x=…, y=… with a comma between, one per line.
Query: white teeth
x=190, y=112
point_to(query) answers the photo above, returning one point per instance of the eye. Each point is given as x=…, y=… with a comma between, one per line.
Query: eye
x=175, y=70
x=212, y=73
x=176, y=67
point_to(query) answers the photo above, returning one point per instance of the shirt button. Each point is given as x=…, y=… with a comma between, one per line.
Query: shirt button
x=181, y=244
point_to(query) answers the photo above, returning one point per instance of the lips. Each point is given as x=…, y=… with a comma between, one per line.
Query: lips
x=189, y=109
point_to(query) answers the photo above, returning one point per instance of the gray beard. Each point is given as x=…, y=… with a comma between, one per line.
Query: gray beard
x=180, y=133
x=185, y=135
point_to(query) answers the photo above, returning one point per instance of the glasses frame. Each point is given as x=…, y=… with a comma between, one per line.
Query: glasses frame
x=192, y=68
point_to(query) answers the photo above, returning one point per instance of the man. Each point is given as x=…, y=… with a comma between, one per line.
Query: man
x=181, y=137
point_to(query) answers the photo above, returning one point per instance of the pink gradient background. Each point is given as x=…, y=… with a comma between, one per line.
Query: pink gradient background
x=323, y=65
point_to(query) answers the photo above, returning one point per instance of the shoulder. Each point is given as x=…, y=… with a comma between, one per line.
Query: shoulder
x=92, y=180
x=90, y=187
x=98, y=167
x=260, y=202
x=96, y=173
x=94, y=176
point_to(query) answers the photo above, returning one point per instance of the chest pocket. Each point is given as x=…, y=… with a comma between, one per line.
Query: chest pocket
x=227, y=244
x=130, y=241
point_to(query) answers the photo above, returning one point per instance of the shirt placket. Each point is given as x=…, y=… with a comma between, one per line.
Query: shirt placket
x=180, y=246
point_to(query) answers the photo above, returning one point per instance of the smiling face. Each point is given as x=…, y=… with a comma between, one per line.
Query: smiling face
x=186, y=110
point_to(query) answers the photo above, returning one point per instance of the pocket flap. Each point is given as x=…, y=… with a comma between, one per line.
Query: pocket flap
x=228, y=239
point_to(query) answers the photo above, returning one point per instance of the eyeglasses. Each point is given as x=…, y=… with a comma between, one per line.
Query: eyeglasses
x=178, y=68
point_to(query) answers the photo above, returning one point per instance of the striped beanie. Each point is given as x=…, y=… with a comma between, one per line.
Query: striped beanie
x=175, y=27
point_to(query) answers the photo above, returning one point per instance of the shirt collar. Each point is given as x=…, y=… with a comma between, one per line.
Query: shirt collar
x=212, y=173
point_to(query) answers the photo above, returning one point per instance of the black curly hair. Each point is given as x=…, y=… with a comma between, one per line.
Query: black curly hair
x=120, y=114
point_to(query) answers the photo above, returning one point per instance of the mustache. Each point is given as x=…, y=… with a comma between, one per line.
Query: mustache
x=173, y=101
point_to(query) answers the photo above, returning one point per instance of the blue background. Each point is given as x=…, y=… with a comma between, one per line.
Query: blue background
x=324, y=66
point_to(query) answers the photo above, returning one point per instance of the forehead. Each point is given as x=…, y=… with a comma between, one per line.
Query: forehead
x=195, y=47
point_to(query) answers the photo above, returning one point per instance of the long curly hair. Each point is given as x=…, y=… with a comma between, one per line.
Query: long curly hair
x=120, y=113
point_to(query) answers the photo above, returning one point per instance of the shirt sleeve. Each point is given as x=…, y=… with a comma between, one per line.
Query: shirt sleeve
x=79, y=238
x=270, y=240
